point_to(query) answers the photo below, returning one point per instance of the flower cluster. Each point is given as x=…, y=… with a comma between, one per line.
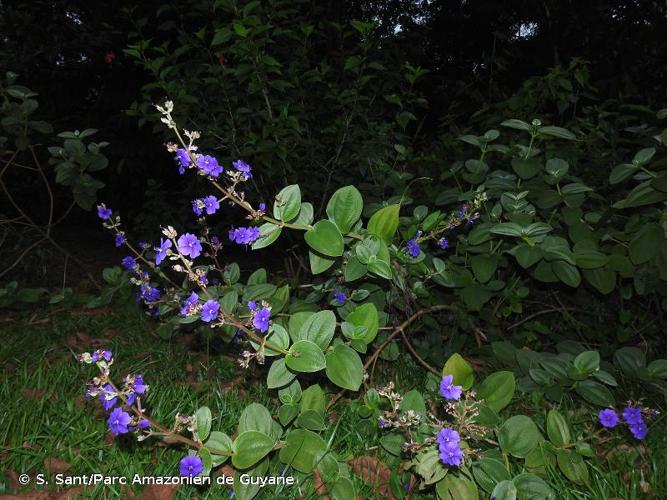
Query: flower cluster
x=449, y=447
x=244, y=235
x=209, y=204
x=396, y=417
x=117, y=401
x=260, y=316
x=466, y=215
x=632, y=415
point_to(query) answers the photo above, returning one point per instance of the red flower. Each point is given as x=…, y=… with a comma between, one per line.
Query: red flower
x=109, y=57
x=221, y=57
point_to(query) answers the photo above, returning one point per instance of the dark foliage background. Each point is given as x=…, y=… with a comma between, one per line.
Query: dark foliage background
x=101, y=64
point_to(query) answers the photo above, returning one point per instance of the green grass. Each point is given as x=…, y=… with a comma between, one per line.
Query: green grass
x=43, y=414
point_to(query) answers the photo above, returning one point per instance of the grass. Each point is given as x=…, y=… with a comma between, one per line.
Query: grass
x=44, y=416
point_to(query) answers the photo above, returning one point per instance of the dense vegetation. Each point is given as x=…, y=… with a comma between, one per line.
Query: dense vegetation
x=437, y=259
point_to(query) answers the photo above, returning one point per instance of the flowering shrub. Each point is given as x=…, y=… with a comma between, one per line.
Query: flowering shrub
x=371, y=260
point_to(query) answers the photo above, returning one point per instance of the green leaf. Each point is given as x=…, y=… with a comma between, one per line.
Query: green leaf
x=287, y=203
x=532, y=487
x=325, y=238
x=366, y=316
x=344, y=367
x=488, y=472
x=590, y=259
x=484, y=267
x=498, y=389
x=312, y=420
x=567, y=273
x=305, y=214
x=643, y=156
x=526, y=168
x=572, y=465
x=603, y=280
x=318, y=328
x=249, y=448
x=595, y=393
x=646, y=244
x=313, y=399
x=354, y=269
x=381, y=268
x=587, y=362
x=526, y=255
x=303, y=450
x=458, y=488
x=345, y=207
x=508, y=229
x=384, y=222
x=305, y=356
x=557, y=429
x=278, y=336
x=279, y=375
x=222, y=442
x=203, y=418
x=460, y=369
x=319, y=263
x=658, y=368
x=207, y=460
x=643, y=194
x=516, y=124
x=630, y=360
x=255, y=417
x=622, y=172
x=504, y=490
x=559, y=132
x=518, y=436
x=268, y=234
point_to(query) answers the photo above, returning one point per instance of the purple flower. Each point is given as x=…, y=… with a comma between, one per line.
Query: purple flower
x=382, y=422
x=340, y=297
x=191, y=465
x=162, y=250
x=211, y=204
x=608, y=418
x=135, y=385
x=120, y=239
x=183, y=159
x=196, y=207
x=451, y=454
x=262, y=207
x=97, y=355
x=215, y=240
x=244, y=235
x=443, y=243
x=108, y=397
x=144, y=424
x=252, y=305
x=413, y=248
x=639, y=430
x=448, y=435
x=118, y=421
x=244, y=168
x=209, y=165
x=447, y=388
x=261, y=319
x=462, y=212
x=128, y=263
x=190, y=305
x=149, y=293
x=632, y=415
x=210, y=311
x=103, y=212
x=189, y=245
